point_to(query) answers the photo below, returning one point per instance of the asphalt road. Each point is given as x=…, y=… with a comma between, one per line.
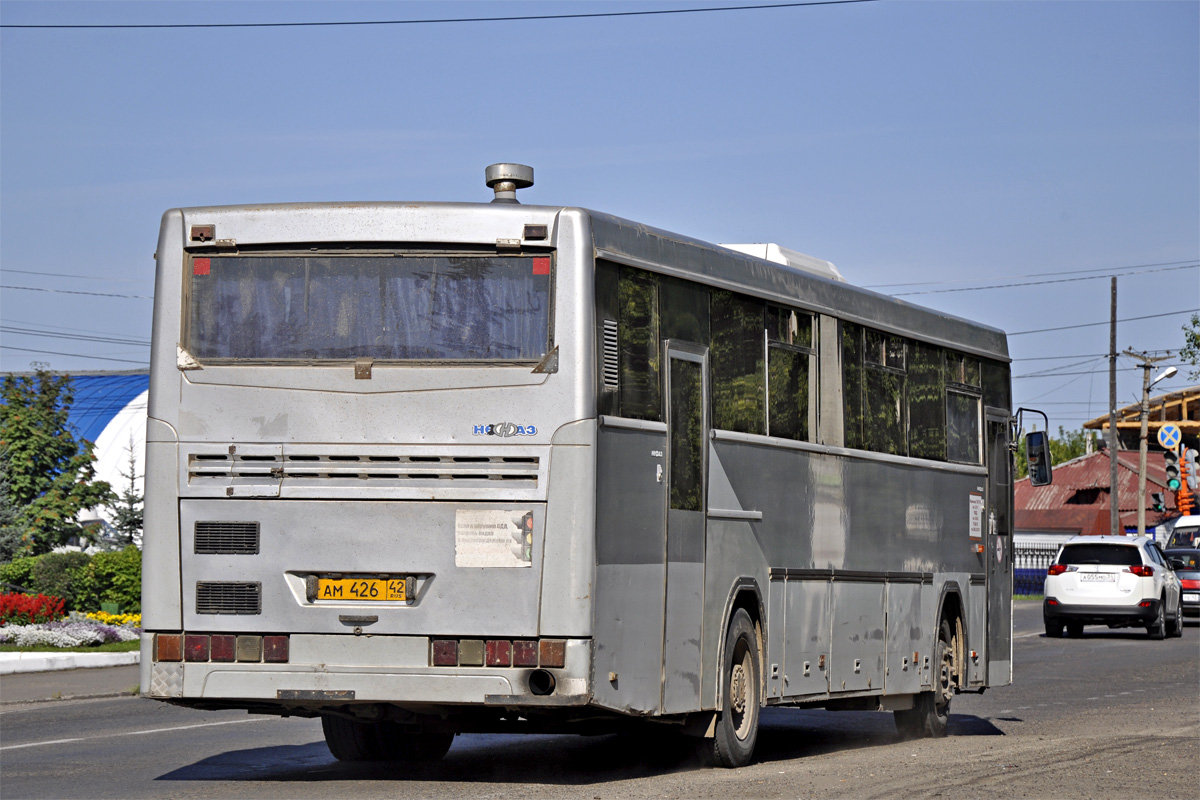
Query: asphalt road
x=1109, y=715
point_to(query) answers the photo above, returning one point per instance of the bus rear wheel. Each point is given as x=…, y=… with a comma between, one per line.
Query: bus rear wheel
x=930, y=713
x=350, y=740
x=737, y=722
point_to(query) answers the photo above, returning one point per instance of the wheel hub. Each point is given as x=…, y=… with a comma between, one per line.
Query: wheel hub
x=737, y=688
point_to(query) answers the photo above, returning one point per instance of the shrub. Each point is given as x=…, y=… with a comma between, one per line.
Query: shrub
x=60, y=574
x=23, y=609
x=113, y=577
x=19, y=572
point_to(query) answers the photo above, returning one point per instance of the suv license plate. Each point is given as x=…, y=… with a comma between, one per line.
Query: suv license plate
x=1191, y=598
x=1102, y=577
x=360, y=589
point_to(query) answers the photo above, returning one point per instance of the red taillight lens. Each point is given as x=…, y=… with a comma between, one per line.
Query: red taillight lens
x=1144, y=570
x=1189, y=584
x=445, y=653
x=1056, y=569
x=275, y=649
x=195, y=648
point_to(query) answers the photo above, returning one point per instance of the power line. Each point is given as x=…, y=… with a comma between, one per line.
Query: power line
x=1106, y=270
x=70, y=291
x=63, y=275
x=74, y=355
x=1094, y=324
x=73, y=336
x=1042, y=283
x=447, y=20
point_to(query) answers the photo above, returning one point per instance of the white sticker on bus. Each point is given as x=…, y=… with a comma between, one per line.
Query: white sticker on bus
x=976, y=510
x=493, y=538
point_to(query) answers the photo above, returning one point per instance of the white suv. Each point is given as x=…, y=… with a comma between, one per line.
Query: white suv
x=1118, y=581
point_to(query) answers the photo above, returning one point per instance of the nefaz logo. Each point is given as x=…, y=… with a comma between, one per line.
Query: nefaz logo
x=505, y=429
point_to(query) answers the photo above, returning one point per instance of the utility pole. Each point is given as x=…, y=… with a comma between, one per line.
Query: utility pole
x=1114, y=511
x=1147, y=365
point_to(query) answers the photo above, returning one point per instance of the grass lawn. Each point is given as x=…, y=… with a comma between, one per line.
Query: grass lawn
x=112, y=647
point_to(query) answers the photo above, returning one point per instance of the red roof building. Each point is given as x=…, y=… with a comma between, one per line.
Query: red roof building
x=1078, y=501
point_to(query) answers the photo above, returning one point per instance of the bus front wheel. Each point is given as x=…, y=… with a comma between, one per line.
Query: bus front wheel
x=931, y=710
x=737, y=723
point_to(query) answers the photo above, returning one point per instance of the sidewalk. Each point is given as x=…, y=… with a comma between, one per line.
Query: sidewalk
x=11, y=663
x=69, y=684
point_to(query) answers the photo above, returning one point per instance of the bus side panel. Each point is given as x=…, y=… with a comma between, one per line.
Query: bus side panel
x=630, y=570
x=977, y=638
x=567, y=589
x=857, y=657
x=162, y=607
x=808, y=632
x=904, y=637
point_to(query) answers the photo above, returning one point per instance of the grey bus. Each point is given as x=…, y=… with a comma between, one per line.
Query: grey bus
x=421, y=469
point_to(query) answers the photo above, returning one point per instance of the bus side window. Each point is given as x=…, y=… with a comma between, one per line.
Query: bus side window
x=791, y=373
x=926, y=402
x=640, y=346
x=739, y=386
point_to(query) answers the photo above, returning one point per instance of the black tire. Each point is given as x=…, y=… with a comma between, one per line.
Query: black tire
x=1074, y=629
x=1175, y=624
x=1054, y=629
x=737, y=721
x=350, y=740
x=403, y=744
x=1158, y=628
x=930, y=713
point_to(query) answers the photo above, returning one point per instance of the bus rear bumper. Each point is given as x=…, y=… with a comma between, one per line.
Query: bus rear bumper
x=299, y=684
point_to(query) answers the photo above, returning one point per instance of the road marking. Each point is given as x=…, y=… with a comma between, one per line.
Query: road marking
x=132, y=733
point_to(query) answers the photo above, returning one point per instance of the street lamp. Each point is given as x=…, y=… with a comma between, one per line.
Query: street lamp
x=1145, y=413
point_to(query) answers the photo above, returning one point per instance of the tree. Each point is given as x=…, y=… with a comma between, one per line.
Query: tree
x=50, y=474
x=1068, y=445
x=127, y=507
x=1191, y=345
x=12, y=531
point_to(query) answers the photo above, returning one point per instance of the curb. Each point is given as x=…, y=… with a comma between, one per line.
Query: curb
x=11, y=663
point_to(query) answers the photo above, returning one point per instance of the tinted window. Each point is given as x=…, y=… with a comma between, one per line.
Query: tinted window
x=1184, y=537
x=1115, y=554
x=738, y=345
x=638, y=337
x=687, y=435
x=926, y=403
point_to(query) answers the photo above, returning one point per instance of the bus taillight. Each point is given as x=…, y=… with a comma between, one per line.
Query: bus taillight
x=217, y=648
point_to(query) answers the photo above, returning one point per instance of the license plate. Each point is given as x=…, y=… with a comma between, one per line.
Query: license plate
x=1103, y=577
x=362, y=589
x=1191, y=598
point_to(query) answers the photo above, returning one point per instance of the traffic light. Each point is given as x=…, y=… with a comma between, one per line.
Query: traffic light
x=1190, y=474
x=1173, y=482
x=1158, y=501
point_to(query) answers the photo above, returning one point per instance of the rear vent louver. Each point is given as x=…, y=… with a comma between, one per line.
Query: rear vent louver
x=226, y=538
x=228, y=597
x=609, y=369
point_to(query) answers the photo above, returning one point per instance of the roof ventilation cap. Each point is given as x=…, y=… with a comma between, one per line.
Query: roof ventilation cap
x=505, y=179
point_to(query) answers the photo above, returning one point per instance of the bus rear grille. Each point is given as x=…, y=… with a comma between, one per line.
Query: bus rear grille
x=228, y=597
x=226, y=538
x=300, y=467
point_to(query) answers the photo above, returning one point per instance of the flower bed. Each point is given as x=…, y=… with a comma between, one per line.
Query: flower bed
x=24, y=609
x=78, y=630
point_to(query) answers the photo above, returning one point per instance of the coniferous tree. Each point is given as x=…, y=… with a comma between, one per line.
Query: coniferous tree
x=127, y=509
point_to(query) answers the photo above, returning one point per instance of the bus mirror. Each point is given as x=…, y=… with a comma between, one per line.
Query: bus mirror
x=1037, y=451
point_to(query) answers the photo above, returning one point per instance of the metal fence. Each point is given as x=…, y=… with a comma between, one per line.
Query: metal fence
x=1031, y=560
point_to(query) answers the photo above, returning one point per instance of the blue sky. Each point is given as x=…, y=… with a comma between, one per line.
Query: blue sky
x=950, y=145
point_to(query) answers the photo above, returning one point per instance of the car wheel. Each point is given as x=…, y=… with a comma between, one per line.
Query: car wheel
x=1074, y=629
x=1054, y=629
x=1175, y=625
x=737, y=723
x=1158, y=629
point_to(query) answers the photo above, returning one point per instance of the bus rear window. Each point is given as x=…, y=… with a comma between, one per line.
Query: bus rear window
x=393, y=308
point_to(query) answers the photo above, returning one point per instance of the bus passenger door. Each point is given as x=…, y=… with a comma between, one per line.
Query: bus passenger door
x=998, y=553
x=687, y=437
